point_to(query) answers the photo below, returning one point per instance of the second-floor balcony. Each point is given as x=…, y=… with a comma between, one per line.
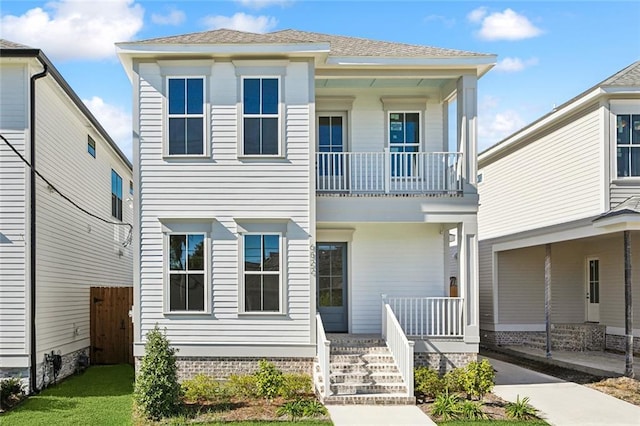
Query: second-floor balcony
x=386, y=172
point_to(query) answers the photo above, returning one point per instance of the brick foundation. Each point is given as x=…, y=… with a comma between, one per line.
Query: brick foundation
x=69, y=367
x=615, y=342
x=443, y=362
x=565, y=337
x=223, y=367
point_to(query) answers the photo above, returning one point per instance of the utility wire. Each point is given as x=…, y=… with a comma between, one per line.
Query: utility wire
x=127, y=240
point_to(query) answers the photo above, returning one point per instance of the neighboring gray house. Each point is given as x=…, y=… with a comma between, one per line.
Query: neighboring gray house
x=570, y=181
x=52, y=255
x=292, y=182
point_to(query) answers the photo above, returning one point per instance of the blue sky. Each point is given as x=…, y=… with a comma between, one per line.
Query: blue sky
x=548, y=51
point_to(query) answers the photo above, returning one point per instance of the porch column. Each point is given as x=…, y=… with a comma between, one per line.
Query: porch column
x=468, y=273
x=547, y=297
x=628, y=307
x=467, y=124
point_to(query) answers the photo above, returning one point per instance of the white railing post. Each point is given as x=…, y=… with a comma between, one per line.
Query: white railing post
x=323, y=348
x=429, y=316
x=387, y=170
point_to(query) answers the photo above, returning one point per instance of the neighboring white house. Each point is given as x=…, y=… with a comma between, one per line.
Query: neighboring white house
x=46, y=275
x=569, y=182
x=287, y=174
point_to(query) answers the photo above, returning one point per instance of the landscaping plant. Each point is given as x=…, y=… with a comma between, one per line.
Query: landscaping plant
x=478, y=379
x=203, y=388
x=269, y=380
x=157, y=392
x=446, y=406
x=10, y=392
x=427, y=382
x=302, y=408
x=295, y=386
x=472, y=410
x=521, y=409
x=243, y=385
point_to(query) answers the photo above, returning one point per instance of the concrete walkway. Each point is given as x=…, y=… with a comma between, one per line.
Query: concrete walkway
x=383, y=415
x=560, y=402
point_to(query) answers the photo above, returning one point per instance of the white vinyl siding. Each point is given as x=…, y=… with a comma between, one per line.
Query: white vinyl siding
x=14, y=208
x=392, y=259
x=74, y=251
x=226, y=190
x=552, y=180
x=369, y=133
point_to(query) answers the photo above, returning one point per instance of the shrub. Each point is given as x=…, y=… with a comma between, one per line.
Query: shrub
x=242, y=385
x=453, y=380
x=302, y=408
x=269, y=380
x=472, y=410
x=295, y=385
x=478, y=378
x=204, y=388
x=520, y=410
x=157, y=391
x=427, y=382
x=446, y=406
x=10, y=391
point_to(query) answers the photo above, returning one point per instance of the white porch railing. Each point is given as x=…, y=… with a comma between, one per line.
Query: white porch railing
x=323, y=346
x=429, y=316
x=388, y=172
x=401, y=348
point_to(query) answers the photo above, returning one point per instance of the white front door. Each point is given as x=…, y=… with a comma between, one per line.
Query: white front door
x=593, y=290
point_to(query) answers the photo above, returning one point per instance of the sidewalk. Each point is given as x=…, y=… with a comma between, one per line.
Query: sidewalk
x=560, y=402
x=378, y=415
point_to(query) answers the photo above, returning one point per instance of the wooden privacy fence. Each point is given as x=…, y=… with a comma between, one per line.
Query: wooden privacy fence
x=111, y=326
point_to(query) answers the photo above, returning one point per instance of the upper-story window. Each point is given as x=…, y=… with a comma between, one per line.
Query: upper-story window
x=186, y=116
x=91, y=146
x=116, y=195
x=404, y=139
x=628, y=144
x=261, y=117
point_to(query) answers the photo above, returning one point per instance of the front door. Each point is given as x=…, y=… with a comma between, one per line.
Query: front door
x=332, y=173
x=593, y=290
x=332, y=286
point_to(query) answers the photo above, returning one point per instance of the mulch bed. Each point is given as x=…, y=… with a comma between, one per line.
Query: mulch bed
x=493, y=407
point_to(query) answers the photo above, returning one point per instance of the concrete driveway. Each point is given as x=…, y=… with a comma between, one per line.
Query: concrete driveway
x=560, y=402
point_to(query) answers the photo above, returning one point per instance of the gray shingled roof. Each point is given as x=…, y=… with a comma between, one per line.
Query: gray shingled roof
x=629, y=206
x=340, y=45
x=630, y=76
x=6, y=44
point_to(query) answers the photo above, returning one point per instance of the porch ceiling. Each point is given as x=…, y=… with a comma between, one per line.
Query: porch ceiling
x=379, y=82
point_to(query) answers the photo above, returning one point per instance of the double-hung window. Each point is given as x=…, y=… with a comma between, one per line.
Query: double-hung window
x=116, y=195
x=91, y=146
x=262, y=272
x=404, y=142
x=628, y=144
x=186, y=116
x=261, y=122
x=187, y=254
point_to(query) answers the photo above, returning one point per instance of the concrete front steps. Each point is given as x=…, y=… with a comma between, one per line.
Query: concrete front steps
x=362, y=372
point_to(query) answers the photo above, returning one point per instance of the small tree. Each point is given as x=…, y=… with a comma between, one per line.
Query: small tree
x=157, y=391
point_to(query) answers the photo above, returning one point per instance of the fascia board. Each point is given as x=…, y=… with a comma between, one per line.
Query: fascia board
x=472, y=61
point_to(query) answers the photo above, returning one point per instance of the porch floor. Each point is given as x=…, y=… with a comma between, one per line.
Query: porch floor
x=598, y=363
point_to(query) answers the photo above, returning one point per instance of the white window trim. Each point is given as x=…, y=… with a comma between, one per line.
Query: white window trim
x=279, y=116
x=262, y=228
x=631, y=111
x=186, y=227
x=205, y=119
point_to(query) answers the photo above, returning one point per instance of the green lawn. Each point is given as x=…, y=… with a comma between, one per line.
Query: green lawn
x=493, y=422
x=102, y=395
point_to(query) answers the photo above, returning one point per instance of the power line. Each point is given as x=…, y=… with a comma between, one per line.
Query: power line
x=127, y=240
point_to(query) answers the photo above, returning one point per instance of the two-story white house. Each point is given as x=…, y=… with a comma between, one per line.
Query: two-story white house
x=564, y=191
x=294, y=184
x=51, y=252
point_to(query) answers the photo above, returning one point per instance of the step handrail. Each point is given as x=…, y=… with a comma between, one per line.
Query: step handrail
x=401, y=348
x=323, y=348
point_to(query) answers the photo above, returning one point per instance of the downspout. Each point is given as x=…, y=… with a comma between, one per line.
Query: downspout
x=32, y=218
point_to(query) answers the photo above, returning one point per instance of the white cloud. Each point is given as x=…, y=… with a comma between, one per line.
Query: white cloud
x=493, y=126
x=261, y=4
x=446, y=22
x=515, y=64
x=174, y=17
x=115, y=121
x=73, y=29
x=507, y=25
x=242, y=22
x=476, y=15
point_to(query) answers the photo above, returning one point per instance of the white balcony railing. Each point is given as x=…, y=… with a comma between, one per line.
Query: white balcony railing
x=429, y=316
x=401, y=348
x=388, y=172
x=323, y=346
